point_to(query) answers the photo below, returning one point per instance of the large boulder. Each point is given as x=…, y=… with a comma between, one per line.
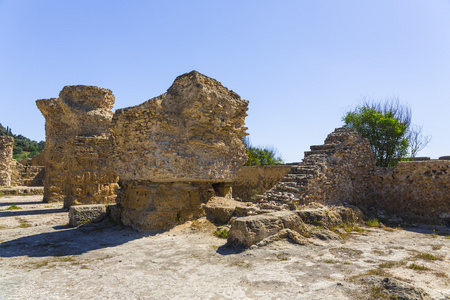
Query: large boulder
x=193, y=132
x=250, y=230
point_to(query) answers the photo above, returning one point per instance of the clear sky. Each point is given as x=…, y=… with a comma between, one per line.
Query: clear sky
x=301, y=64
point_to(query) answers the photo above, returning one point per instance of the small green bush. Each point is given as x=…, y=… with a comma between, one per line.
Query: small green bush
x=373, y=223
x=221, y=233
x=13, y=207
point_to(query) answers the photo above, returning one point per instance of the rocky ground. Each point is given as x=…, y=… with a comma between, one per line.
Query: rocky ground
x=41, y=257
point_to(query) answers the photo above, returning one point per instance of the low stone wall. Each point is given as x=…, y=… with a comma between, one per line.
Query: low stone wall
x=27, y=175
x=6, y=160
x=156, y=206
x=417, y=191
x=256, y=180
x=343, y=171
x=89, y=178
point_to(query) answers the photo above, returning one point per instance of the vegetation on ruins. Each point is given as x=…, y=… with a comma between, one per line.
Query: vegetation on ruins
x=388, y=127
x=23, y=146
x=261, y=156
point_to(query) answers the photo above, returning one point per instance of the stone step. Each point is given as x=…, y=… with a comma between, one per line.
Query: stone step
x=303, y=169
x=322, y=147
x=325, y=151
x=313, y=159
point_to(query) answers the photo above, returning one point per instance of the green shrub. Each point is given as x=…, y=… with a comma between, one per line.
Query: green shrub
x=373, y=223
x=221, y=233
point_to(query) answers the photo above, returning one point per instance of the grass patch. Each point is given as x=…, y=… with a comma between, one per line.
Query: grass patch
x=391, y=264
x=221, y=233
x=418, y=267
x=331, y=261
x=377, y=292
x=373, y=223
x=42, y=264
x=64, y=259
x=378, y=272
x=447, y=237
x=240, y=263
x=13, y=207
x=428, y=256
x=347, y=228
x=282, y=256
x=24, y=224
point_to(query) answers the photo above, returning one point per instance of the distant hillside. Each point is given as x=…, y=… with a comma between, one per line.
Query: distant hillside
x=23, y=146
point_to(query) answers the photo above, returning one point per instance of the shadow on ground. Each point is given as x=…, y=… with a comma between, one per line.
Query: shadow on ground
x=18, y=212
x=440, y=230
x=6, y=204
x=69, y=241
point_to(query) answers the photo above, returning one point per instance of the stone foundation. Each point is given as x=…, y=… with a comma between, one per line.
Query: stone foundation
x=156, y=206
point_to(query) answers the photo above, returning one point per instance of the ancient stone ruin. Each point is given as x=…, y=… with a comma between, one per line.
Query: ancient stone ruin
x=161, y=163
x=77, y=128
x=171, y=153
x=174, y=152
x=6, y=160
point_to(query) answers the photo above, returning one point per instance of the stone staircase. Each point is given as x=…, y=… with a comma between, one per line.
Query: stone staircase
x=291, y=189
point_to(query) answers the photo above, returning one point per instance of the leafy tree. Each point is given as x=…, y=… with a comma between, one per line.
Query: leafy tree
x=387, y=125
x=261, y=156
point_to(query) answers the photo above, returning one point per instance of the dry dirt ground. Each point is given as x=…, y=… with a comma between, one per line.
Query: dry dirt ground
x=42, y=258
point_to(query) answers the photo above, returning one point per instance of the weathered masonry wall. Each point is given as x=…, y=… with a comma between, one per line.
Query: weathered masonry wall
x=90, y=179
x=343, y=171
x=79, y=111
x=27, y=175
x=417, y=191
x=193, y=132
x=329, y=173
x=256, y=180
x=6, y=160
x=156, y=206
x=174, y=152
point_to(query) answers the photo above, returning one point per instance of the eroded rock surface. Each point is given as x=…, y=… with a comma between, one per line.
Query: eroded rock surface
x=6, y=160
x=174, y=152
x=193, y=132
x=298, y=226
x=79, y=111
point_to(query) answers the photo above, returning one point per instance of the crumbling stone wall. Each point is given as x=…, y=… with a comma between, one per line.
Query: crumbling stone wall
x=27, y=175
x=6, y=160
x=329, y=173
x=416, y=191
x=172, y=151
x=83, y=111
x=343, y=171
x=89, y=177
x=255, y=180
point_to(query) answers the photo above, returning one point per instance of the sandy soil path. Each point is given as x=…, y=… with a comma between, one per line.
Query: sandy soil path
x=42, y=258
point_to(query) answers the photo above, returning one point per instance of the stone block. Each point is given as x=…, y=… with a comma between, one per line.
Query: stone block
x=247, y=231
x=81, y=214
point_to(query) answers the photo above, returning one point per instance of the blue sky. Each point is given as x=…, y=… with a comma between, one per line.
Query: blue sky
x=301, y=64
